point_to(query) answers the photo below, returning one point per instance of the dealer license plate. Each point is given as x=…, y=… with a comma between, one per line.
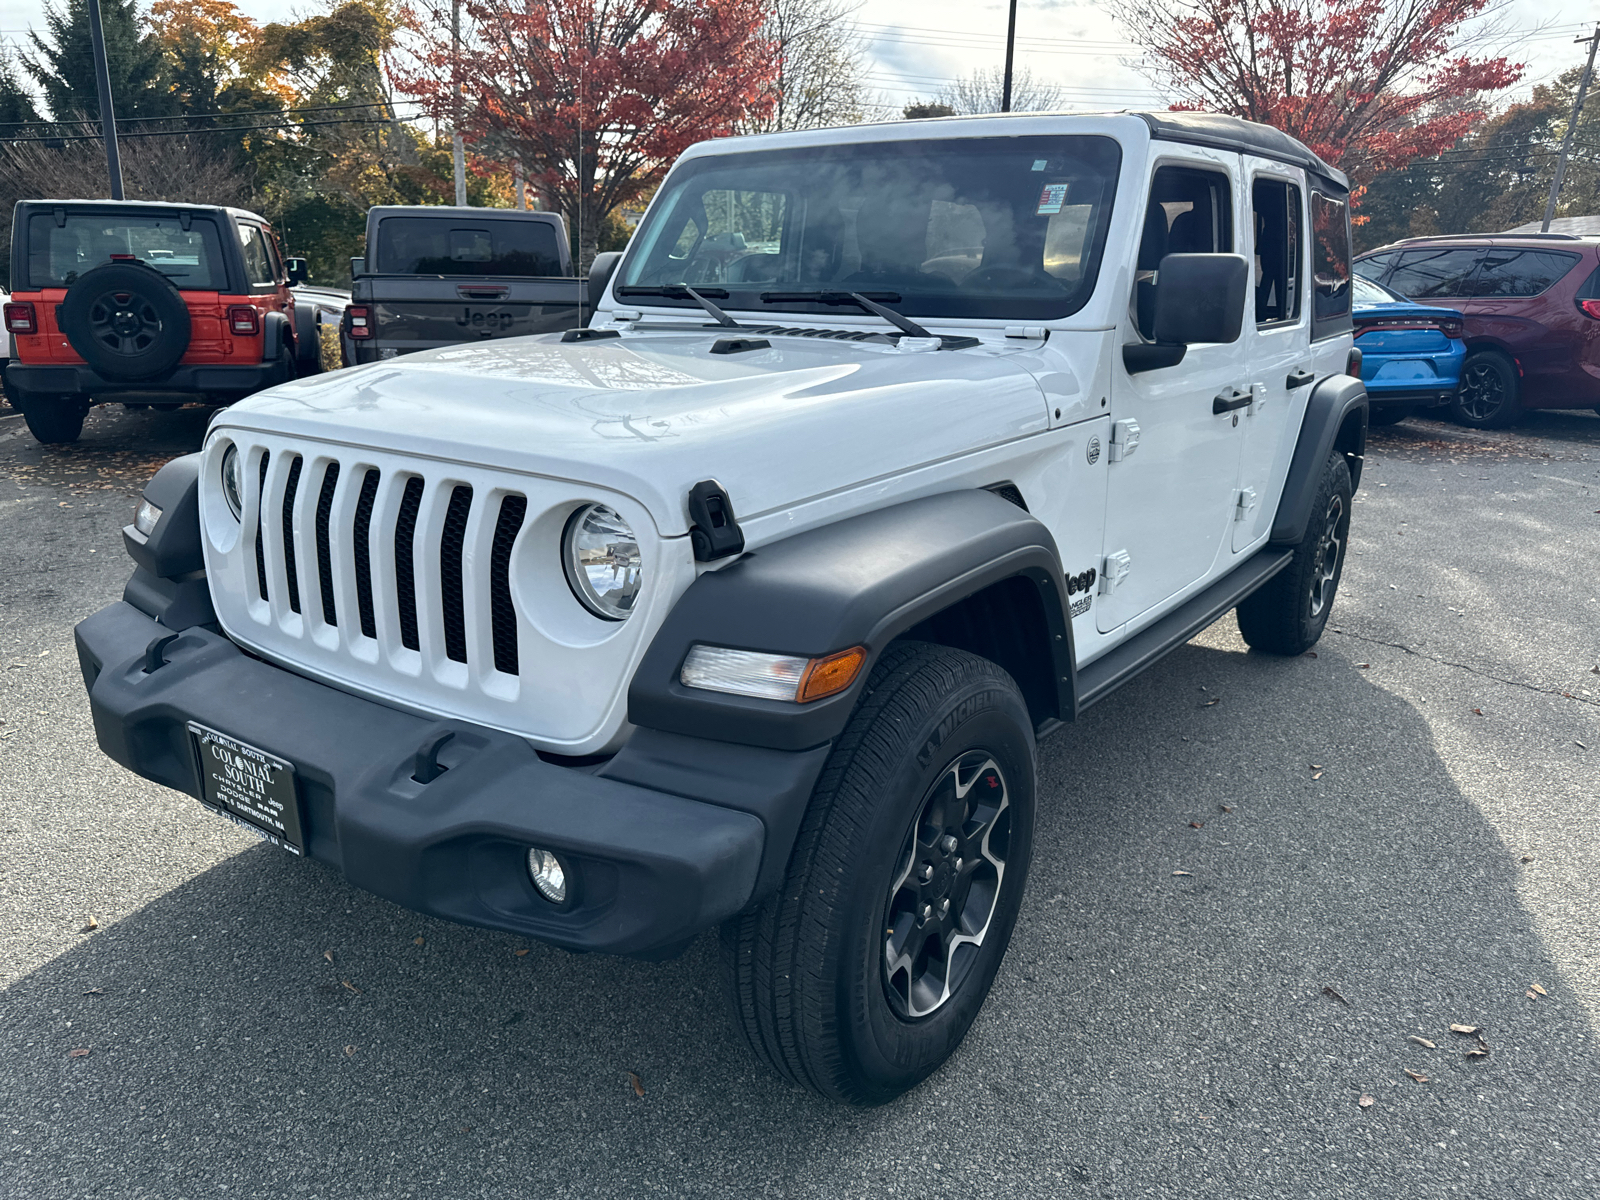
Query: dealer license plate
x=250, y=787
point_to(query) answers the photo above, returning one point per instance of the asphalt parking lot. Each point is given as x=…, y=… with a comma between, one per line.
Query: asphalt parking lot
x=1257, y=883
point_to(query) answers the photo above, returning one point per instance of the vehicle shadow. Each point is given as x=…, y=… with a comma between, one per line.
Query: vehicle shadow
x=1223, y=949
x=1579, y=428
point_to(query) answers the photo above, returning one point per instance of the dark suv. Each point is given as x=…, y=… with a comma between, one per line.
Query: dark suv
x=1532, y=306
x=147, y=303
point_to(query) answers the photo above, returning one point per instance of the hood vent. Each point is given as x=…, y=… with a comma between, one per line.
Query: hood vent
x=837, y=335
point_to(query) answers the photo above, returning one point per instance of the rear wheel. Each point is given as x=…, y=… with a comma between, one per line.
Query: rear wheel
x=1489, y=389
x=864, y=972
x=53, y=420
x=1287, y=616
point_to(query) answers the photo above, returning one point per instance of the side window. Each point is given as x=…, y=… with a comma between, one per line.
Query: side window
x=1190, y=212
x=1330, y=263
x=1278, y=252
x=1520, y=272
x=1426, y=274
x=257, y=263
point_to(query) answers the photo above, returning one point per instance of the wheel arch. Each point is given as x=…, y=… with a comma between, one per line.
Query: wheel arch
x=965, y=569
x=1335, y=422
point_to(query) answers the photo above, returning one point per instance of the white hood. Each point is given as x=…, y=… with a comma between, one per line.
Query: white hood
x=650, y=414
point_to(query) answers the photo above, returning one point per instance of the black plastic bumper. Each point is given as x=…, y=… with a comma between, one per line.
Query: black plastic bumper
x=78, y=380
x=648, y=868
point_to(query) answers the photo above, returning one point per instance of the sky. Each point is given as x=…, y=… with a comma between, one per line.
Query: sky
x=915, y=46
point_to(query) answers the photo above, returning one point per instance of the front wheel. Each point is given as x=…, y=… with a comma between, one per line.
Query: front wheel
x=1487, y=398
x=1288, y=614
x=865, y=970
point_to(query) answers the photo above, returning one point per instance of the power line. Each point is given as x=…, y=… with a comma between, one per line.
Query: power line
x=260, y=112
x=95, y=137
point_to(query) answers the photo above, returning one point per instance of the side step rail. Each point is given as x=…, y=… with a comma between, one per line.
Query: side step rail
x=1105, y=675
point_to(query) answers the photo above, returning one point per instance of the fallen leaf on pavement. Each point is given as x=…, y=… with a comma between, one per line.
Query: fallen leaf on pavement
x=638, y=1085
x=1527, y=858
x=328, y=954
x=1417, y=1075
x=1363, y=666
x=1463, y=1029
x=519, y=953
x=1328, y=991
x=1479, y=711
x=1366, y=1101
x=91, y=926
x=1316, y=774
x=1183, y=872
x=1212, y=701
x=1477, y=1052
x=351, y=986
x=416, y=941
x=1226, y=807
x=1197, y=824
x=1422, y=1041
x=349, y=1051
x=77, y=1054
x=1316, y=766
x=1536, y=988
x=95, y=992
x=1311, y=653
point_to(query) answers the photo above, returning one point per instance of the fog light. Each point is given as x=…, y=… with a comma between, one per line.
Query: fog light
x=144, y=520
x=545, y=870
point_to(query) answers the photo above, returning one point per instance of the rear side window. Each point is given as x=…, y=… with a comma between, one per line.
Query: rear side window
x=1374, y=265
x=1278, y=254
x=1330, y=265
x=451, y=246
x=1428, y=274
x=58, y=254
x=1520, y=272
x=258, y=270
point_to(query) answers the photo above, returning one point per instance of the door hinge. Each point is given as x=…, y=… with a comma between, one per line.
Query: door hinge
x=1124, y=439
x=1244, y=504
x=1114, y=570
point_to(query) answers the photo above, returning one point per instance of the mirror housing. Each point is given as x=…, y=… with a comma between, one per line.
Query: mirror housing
x=1199, y=298
x=601, y=270
x=297, y=270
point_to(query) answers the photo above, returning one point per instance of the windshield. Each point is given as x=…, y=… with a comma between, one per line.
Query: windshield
x=967, y=227
x=59, y=253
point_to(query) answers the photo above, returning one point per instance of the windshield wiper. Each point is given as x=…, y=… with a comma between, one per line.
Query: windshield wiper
x=904, y=324
x=683, y=289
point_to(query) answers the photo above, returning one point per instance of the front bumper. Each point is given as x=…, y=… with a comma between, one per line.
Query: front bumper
x=76, y=379
x=648, y=869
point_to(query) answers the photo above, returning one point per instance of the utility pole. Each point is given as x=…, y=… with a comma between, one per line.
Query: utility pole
x=458, y=151
x=108, y=115
x=1011, y=43
x=1572, y=128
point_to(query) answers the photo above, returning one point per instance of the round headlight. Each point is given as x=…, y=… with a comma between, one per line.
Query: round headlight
x=601, y=557
x=232, y=488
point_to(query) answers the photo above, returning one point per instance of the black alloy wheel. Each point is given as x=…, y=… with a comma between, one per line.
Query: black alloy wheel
x=1487, y=398
x=127, y=321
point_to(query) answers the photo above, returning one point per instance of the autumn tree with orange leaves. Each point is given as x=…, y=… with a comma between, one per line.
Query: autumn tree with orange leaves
x=594, y=97
x=1370, y=85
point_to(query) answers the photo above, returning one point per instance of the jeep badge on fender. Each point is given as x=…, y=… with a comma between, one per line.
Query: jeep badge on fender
x=889, y=449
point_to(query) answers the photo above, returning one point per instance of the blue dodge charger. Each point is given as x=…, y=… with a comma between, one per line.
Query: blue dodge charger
x=1411, y=354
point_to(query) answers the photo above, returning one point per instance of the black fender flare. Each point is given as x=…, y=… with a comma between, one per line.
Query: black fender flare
x=1336, y=418
x=862, y=581
x=169, y=577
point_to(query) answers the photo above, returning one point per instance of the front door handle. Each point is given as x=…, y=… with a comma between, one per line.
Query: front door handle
x=1231, y=399
x=1299, y=379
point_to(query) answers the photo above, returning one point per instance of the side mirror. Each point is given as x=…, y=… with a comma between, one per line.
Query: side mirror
x=1199, y=298
x=601, y=270
x=358, y=266
x=297, y=270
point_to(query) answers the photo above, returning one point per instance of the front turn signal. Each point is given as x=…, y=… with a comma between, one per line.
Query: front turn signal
x=831, y=675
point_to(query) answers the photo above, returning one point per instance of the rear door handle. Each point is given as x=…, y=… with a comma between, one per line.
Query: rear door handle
x=1299, y=379
x=490, y=292
x=1231, y=399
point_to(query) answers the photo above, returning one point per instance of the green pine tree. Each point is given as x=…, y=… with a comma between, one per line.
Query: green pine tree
x=63, y=62
x=16, y=104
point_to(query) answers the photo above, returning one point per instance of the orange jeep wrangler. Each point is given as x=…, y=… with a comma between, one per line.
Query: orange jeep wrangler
x=147, y=304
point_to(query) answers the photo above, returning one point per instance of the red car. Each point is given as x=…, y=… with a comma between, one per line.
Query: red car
x=1532, y=307
x=147, y=303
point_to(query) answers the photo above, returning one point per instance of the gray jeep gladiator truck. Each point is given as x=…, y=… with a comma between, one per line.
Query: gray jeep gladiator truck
x=436, y=276
x=890, y=450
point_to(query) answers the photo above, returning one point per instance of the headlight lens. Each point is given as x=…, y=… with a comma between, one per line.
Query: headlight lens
x=232, y=489
x=601, y=557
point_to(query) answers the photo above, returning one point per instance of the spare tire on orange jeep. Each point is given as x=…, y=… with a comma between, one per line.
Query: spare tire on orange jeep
x=126, y=320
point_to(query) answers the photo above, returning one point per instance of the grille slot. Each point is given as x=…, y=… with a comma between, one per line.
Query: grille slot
x=261, y=546
x=405, y=576
x=502, y=613
x=330, y=480
x=451, y=541
x=361, y=544
x=289, y=490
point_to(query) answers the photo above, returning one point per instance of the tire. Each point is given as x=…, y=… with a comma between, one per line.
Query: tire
x=307, y=345
x=823, y=987
x=127, y=321
x=1489, y=391
x=1287, y=615
x=1388, y=414
x=53, y=420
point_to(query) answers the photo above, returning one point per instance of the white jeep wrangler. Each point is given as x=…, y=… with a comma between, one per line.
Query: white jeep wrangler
x=889, y=449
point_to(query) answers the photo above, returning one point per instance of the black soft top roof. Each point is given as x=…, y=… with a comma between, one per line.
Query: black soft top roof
x=1246, y=137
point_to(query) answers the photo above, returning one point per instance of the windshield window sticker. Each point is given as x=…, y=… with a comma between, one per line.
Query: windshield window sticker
x=1040, y=163
x=1051, y=200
